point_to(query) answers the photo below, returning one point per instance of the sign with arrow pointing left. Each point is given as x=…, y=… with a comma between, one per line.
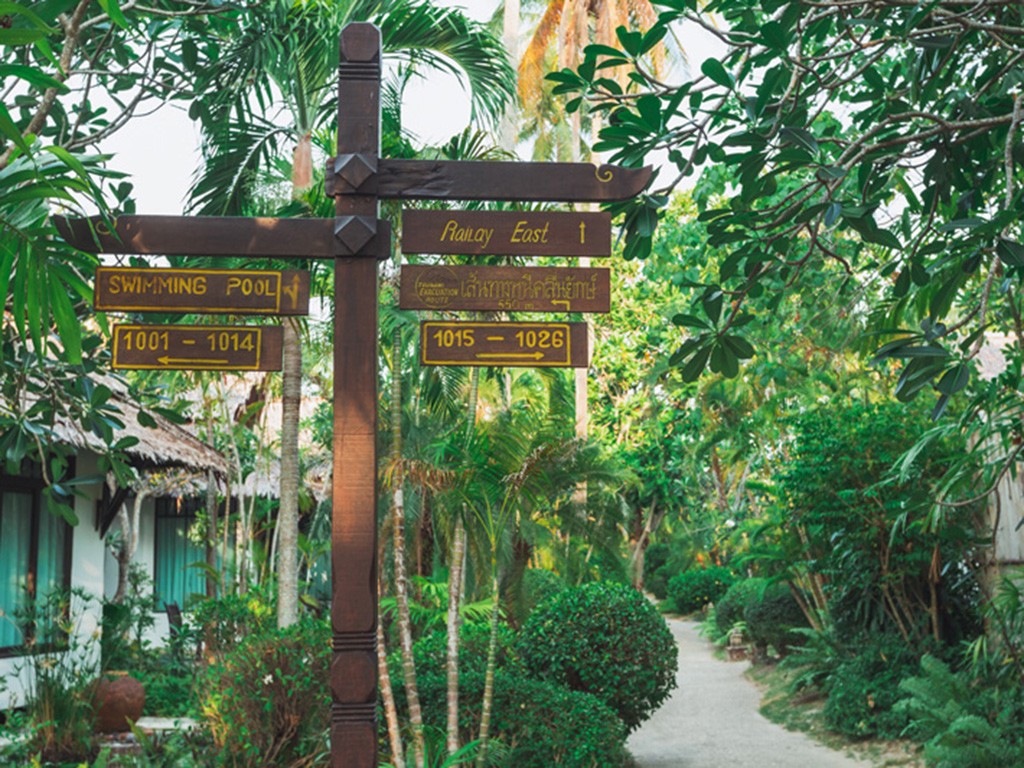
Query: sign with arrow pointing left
x=198, y=347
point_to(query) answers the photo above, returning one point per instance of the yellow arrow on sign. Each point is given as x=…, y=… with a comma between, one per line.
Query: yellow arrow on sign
x=507, y=355
x=193, y=360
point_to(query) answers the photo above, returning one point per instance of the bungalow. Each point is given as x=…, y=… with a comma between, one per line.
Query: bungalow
x=40, y=554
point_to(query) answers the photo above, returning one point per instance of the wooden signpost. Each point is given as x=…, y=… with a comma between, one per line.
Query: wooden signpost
x=511, y=289
x=197, y=347
x=202, y=291
x=355, y=239
x=520, y=345
x=507, y=233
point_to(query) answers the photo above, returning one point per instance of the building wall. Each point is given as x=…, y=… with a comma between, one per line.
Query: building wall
x=1005, y=516
x=87, y=573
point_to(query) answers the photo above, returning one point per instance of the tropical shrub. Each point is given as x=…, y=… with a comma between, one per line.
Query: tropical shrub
x=656, y=572
x=964, y=725
x=545, y=724
x=266, y=701
x=540, y=723
x=731, y=607
x=604, y=639
x=536, y=586
x=691, y=590
x=225, y=621
x=430, y=655
x=771, y=614
x=863, y=689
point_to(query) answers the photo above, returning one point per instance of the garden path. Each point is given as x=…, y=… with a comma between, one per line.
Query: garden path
x=712, y=720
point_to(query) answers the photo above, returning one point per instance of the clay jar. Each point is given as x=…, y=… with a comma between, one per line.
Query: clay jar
x=119, y=700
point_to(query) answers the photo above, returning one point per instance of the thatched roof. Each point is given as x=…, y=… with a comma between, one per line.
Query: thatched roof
x=165, y=445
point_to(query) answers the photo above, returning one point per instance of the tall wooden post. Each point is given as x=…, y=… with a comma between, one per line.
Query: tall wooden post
x=354, y=523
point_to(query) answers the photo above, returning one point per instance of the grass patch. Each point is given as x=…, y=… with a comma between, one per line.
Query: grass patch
x=802, y=712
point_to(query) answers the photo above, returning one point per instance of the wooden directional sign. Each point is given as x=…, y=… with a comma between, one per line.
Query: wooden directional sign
x=198, y=347
x=507, y=233
x=237, y=291
x=480, y=180
x=511, y=289
x=229, y=236
x=520, y=345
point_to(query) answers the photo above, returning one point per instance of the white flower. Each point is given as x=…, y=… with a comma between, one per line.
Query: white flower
x=268, y=679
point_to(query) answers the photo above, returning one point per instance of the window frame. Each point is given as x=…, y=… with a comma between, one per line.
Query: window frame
x=30, y=481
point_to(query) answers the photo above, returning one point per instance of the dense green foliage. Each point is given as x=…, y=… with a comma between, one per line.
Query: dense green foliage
x=264, y=702
x=869, y=535
x=607, y=640
x=731, y=608
x=771, y=614
x=546, y=724
x=863, y=689
x=691, y=590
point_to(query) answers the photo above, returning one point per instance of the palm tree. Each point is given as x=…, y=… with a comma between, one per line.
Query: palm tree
x=268, y=85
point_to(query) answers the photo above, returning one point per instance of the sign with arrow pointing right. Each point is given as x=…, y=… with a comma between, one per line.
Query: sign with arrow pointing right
x=519, y=345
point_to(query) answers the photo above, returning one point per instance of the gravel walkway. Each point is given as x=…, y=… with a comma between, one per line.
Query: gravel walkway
x=712, y=721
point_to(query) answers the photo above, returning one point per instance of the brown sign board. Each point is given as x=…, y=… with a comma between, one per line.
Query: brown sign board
x=399, y=179
x=510, y=289
x=507, y=233
x=231, y=236
x=198, y=347
x=202, y=291
x=519, y=345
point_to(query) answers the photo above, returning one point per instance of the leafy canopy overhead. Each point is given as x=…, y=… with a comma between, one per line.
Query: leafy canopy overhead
x=890, y=126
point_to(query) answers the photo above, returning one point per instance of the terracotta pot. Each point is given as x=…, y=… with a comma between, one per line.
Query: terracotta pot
x=119, y=700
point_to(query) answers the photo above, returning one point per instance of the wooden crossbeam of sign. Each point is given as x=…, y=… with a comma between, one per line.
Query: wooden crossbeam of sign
x=228, y=236
x=516, y=345
x=507, y=233
x=197, y=347
x=501, y=288
x=483, y=180
x=202, y=291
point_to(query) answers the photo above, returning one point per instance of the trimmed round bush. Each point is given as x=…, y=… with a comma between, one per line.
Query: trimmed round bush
x=266, y=702
x=545, y=724
x=604, y=639
x=771, y=618
x=690, y=591
x=731, y=608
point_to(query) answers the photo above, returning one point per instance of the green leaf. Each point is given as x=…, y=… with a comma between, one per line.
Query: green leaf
x=68, y=326
x=10, y=130
x=712, y=302
x=695, y=367
x=20, y=36
x=954, y=380
x=800, y=137
x=1010, y=252
x=716, y=72
x=774, y=35
x=31, y=75
x=113, y=9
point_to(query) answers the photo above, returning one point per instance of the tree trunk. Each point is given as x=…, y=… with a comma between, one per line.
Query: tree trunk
x=492, y=655
x=288, y=514
x=454, y=622
x=211, y=534
x=398, y=544
x=456, y=577
x=129, y=543
x=387, y=694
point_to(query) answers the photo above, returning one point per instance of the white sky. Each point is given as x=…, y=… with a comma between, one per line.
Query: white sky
x=159, y=151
